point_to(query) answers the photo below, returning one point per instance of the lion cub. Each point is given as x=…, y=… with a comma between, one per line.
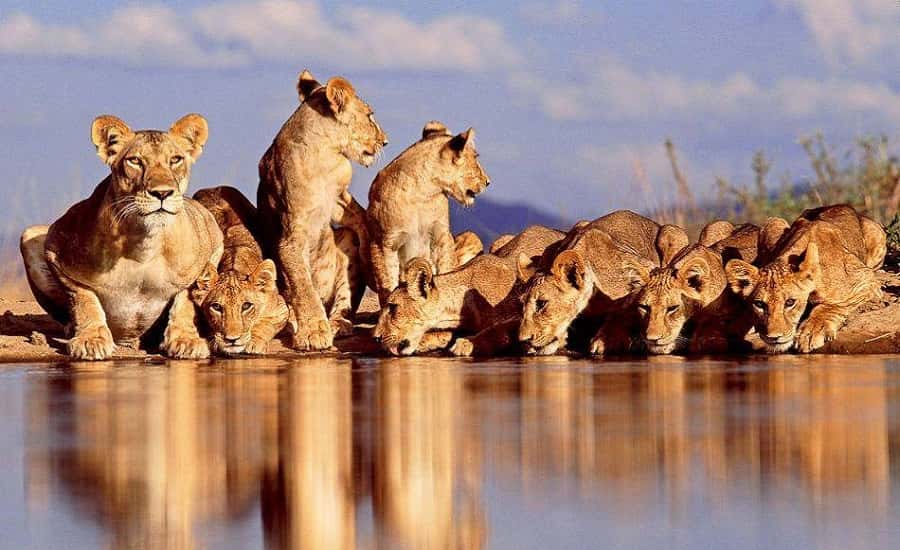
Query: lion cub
x=687, y=300
x=597, y=265
x=239, y=300
x=304, y=178
x=409, y=214
x=480, y=298
x=825, y=264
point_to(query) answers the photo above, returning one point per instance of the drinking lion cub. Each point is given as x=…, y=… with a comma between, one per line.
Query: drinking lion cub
x=115, y=262
x=826, y=263
x=409, y=214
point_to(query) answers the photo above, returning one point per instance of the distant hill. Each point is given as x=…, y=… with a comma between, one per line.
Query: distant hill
x=491, y=219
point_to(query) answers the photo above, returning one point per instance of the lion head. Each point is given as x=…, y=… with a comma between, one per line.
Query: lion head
x=453, y=163
x=233, y=303
x=350, y=121
x=670, y=298
x=150, y=169
x=411, y=310
x=553, y=300
x=777, y=293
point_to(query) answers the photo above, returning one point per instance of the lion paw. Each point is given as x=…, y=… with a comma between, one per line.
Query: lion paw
x=314, y=336
x=814, y=333
x=598, y=346
x=256, y=346
x=186, y=347
x=341, y=327
x=462, y=347
x=92, y=344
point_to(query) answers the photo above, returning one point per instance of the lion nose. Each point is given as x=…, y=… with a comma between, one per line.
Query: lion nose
x=161, y=194
x=384, y=143
x=526, y=338
x=403, y=345
x=487, y=183
x=377, y=339
x=232, y=339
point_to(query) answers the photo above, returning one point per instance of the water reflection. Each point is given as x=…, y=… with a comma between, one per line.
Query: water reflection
x=434, y=453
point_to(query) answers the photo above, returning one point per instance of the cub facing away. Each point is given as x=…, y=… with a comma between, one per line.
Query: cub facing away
x=687, y=301
x=114, y=263
x=239, y=300
x=409, y=212
x=821, y=270
x=481, y=298
x=304, y=178
x=597, y=265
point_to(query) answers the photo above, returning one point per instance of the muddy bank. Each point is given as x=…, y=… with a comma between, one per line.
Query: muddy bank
x=27, y=334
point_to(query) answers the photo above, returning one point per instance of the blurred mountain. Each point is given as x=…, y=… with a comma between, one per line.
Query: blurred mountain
x=490, y=219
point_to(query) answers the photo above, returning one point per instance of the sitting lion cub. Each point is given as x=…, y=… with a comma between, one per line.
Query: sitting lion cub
x=115, y=262
x=303, y=187
x=597, y=265
x=409, y=214
x=239, y=300
x=825, y=263
x=480, y=298
x=686, y=301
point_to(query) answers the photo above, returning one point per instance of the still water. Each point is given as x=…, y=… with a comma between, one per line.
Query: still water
x=790, y=452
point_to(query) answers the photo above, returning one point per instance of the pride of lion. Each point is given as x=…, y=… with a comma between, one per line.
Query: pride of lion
x=139, y=263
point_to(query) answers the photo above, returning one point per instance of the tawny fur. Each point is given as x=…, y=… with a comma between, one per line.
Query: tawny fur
x=481, y=299
x=466, y=246
x=409, y=212
x=821, y=270
x=303, y=189
x=604, y=262
x=115, y=262
x=239, y=299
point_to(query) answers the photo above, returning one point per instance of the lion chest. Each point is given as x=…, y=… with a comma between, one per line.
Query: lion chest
x=134, y=295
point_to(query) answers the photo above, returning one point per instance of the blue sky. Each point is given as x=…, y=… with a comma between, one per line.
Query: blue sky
x=571, y=101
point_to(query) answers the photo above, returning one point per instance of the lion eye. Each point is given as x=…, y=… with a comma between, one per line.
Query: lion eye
x=392, y=309
x=672, y=309
x=247, y=306
x=217, y=307
x=789, y=303
x=759, y=304
x=644, y=309
x=539, y=305
x=134, y=161
x=176, y=160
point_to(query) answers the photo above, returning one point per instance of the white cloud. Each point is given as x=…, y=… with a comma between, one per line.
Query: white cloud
x=561, y=12
x=294, y=31
x=854, y=30
x=610, y=90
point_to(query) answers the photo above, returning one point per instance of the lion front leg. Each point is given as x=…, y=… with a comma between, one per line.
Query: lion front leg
x=385, y=267
x=267, y=328
x=443, y=251
x=820, y=327
x=313, y=330
x=434, y=341
x=182, y=339
x=490, y=341
x=614, y=336
x=341, y=317
x=92, y=339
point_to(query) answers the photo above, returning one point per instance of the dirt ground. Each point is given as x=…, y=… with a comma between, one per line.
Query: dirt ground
x=27, y=334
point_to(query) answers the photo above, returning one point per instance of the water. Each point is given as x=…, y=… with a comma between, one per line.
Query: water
x=789, y=452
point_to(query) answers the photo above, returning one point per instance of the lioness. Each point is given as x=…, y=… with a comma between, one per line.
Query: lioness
x=480, y=298
x=409, y=213
x=114, y=262
x=239, y=298
x=824, y=264
x=597, y=265
x=686, y=301
x=303, y=188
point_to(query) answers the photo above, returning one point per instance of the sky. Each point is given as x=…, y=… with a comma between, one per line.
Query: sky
x=571, y=101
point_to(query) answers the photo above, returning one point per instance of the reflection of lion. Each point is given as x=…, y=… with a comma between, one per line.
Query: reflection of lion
x=115, y=261
x=303, y=188
x=239, y=300
x=824, y=263
x=409, y=214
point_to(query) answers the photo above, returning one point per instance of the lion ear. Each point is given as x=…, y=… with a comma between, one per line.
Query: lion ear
x=109, y=134
x=569, y=268
x=204, y=283
x=194, y=129
x=419, y=278
x=265, y=275
x=741, y=277
x=339, y=93
x=306, y=85
x=670, y=240
x=694, y=274
x=525, y=267
x=458, y=143
x=434, y=128
x=635, y=276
